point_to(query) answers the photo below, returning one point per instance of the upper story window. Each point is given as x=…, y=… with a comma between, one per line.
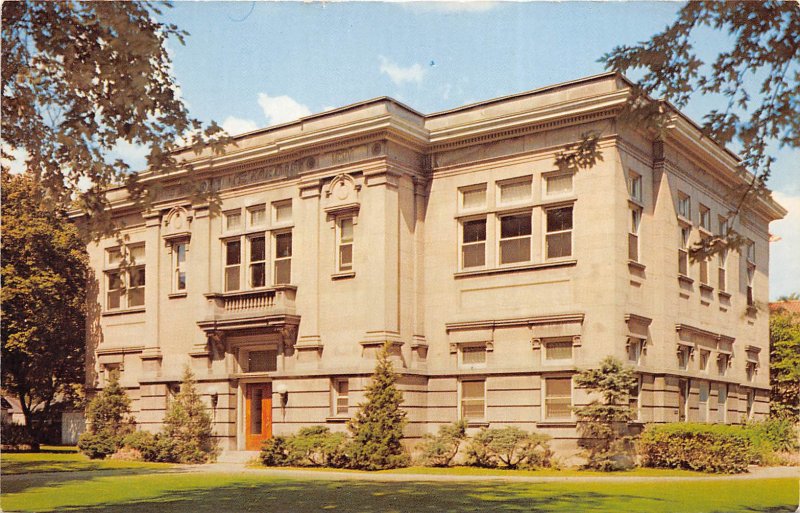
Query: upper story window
x=723, y=361
x=473, y=400
x=515, y=238
x=635, y=349
x=472, y=197
x=558, y=184
x=703, y=362
x=233, y=263
x=558, y=237
x=472, y=356
x=473, y=243
x=635, y=186
x=558, y=350
x=344, y=235
x=125, y=285
x=722, y=272
x=515, y=191
x=705, y=217
x=257, y=216
x=633, y=234
x=684, y=354
x=282, y=212
x=179, y=250
x=684, y=206
x=558, y=398
x=283, y=257
x=265, y=360
x=750, y=251
x=724, y=226
x=258, y=261
x=683, y=251
x=233, y=220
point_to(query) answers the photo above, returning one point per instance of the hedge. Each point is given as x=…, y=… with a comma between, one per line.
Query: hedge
x=704, y=447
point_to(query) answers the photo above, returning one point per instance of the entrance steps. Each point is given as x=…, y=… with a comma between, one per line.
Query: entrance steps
x=237, y=456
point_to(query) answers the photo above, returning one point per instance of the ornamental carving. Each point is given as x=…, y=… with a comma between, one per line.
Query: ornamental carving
x=177, y=224
x=342, y=195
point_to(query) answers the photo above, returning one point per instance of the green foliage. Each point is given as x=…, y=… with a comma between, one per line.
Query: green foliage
x=44, y=279
x=603, y=423
x=439, y=450
x=779, y=435
x=188, y=432
x=274, y=452
x=509, y=447
x=377, y=427
x=80, y=78
x=108, y=417
x=784, y=361
x=145, y=443
x=313, y=446
x=718, y=448
x=15, y=437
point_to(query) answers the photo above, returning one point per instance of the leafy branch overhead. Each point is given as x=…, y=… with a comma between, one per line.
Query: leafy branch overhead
x=78, y=79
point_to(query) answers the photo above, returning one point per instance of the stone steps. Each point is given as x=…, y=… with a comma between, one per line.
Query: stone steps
x=237, y=456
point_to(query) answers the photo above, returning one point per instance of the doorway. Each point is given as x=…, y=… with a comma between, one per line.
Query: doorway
x=258, y=414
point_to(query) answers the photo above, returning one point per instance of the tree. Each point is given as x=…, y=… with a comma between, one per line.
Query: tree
x=603, y=423
x=765, y=50
x=188, y=429
x=377, y=427
x=784, y=364
x=109, y=420
x=79, y=78
x=44, y=279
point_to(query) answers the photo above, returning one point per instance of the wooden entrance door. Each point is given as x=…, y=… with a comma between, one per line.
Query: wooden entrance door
x=258, y=414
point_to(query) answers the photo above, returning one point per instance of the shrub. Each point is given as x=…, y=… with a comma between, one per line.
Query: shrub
x=145, y=443
x=188, y=432
x=705, y=447
x=508, y=447
x=109, y=421
x=780, y=434
x=440, y=449
x=15, y=437
x=377, y=427
x=316, y=446
x=274, y=452
x=99, y=445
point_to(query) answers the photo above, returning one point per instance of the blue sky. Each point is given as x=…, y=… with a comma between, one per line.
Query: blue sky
x=252, y=64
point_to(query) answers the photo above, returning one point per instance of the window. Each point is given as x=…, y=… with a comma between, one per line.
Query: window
x=722, y=262
x=473, y=400
x=684, y=206
x=558, y=239
x=515, y=238
x=473, y=198
x=258, y=261
x=703, y=362
x=233, y=220
x=558, y=398
x=473, y=243
x=559, y=184
x=473, y=356
x=751, y=251
x=750, y=370
x=112, y=371
x=684, y=353
x=724, y=226
x=558, y=350
x=179, y=266
x=257, y=216
x=518, y=191
x=751, y=399
x=703, y=401
x=635, y=349
x=683, y=251
x=233, y=261
x=751, y=272
x=722, y=402
x=341, y=397
x=125, y=288
x=633, y=235
x=262, y=360
x=723, y=360
x=705, y=217
x=683, y=399
x=282, y=211
x=283, y=258
x=634, y=396
x=704, y=271
x=635, y=186
x=345, y=243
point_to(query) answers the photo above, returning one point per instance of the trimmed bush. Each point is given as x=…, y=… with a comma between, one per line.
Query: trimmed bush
x=509, y=447
x=275, y=452
x=440, y=449
x=145, y=443
x=316, y=446
x=15, y=437
x=705, y=447
x=99, y=445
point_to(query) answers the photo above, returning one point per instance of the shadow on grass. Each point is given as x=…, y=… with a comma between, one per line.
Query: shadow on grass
x=16, y=483
x=372, y=497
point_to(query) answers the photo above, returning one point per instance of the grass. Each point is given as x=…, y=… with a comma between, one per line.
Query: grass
x=63, y=459
x=175, y=492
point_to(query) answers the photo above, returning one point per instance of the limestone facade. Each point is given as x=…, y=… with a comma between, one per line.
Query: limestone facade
x=453, y=236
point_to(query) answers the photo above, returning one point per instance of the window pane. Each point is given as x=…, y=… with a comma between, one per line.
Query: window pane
x=559, y=219
x=136, y=296
x=283, y=271
x=473, y=198
x=683, y=262
x=636, y=216
x=258, y=275
x=232, y=278
x=558, y=350
x=721, y=279
x=233, y=253
x=559, y=184
x=346, y=234
x=473, y=355
x=559, y=245
x=473, y=255
x=704, y=272
x=137, y=277
x=283, y=245
x=472, y=389
x=255, y=411
x=633, y=247
x=472, y=399
x=515, y=226
x=258, y=216
x=180, y=253
x=345, y=256
x=113, y=298
x=262, y=361
x=559, y=387
x=181, y=280
x=114, y=257
x=137, y=254
x=283, y=211
x=515, y=250
x=257, y=249
x=233, y=221
x=474, y=231
x=558, y=402
x=517, y=191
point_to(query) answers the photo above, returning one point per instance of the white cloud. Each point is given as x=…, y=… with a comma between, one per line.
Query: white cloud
x=16, y=166
x=281, y=109
x=135, y=155
x=784, y=268
x=425, y=6
x=234, y=125
x=399, y=75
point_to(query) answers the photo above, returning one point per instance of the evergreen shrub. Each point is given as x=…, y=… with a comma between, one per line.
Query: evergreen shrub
x=509, y=447
x=439, y=450
x=717, y=448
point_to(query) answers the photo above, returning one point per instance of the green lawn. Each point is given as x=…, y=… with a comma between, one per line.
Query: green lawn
x=214, y=493
x=63, y=459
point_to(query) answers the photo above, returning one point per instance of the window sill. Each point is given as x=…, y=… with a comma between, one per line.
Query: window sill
x=684, y=221
x=633, y=264
x=176, y=295
x=343, y=275
x=685, y=279
x=336, y=420
x=517, y=268
x=635, y=202
x=706, y=288
x=705, y=231
x=477, y=423
x=557, y=423
x=109, y=313
x=723, y=295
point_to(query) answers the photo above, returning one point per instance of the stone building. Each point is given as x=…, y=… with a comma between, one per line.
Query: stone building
x=494, y=274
